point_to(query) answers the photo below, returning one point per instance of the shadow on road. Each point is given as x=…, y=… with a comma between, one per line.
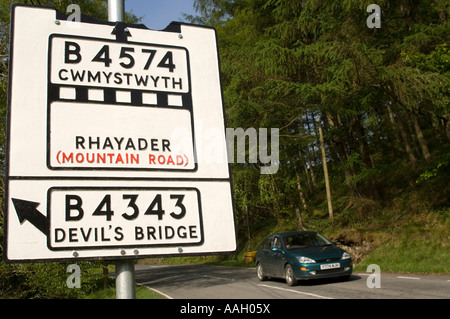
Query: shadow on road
x=326, y=281
x=192, y=275
x=319, y=282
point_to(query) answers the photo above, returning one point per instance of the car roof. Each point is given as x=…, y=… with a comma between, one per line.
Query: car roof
x=290, y=233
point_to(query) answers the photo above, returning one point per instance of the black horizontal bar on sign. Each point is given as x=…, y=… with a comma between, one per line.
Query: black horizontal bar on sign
x=84, y=94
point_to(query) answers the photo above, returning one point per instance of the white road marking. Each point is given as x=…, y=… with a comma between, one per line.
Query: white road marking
x=413, y=278
x=296, y=291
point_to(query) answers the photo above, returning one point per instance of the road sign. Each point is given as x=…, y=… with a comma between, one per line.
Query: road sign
x=116, y=141
x=143, y=80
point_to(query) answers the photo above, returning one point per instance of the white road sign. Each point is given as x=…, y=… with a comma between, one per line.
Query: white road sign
x=116, y=141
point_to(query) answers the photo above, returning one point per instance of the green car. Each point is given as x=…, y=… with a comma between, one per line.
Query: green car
x=301, y=256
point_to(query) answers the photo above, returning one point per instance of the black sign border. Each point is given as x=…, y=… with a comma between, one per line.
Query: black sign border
x=113, y=188
x=51, y=94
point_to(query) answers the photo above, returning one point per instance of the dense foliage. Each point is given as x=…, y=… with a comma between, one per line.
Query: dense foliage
x=381, y=96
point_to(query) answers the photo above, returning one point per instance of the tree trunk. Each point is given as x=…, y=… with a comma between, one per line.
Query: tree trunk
x=302, y=199
x=299, y=219
x=366, y=157
x=300, y=192
x=305, y=168
x=311, y=171
x=363, y=147
x=302, y=157
x=407, y=145
x=394, y=125
x=276, y=192
x=308, y=158
x=325, y=170
x=105, y=274
x=248, y=227
x=315, y=158
x=446, y=124
x=421, y=138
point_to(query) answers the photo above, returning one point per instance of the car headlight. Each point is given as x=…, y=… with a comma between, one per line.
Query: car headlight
x=345, y=256
x=305, y=260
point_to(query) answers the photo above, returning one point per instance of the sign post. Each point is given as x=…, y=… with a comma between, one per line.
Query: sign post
x=115, y=145
x=125, y=279
x=116, y=10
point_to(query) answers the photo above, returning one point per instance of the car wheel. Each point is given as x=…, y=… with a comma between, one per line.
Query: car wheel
x=289, y=275
x=260, y=272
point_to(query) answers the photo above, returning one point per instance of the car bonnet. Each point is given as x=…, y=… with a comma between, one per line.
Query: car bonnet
x=317, y=252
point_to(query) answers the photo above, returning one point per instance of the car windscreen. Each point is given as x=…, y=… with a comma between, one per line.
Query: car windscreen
x=304, y=240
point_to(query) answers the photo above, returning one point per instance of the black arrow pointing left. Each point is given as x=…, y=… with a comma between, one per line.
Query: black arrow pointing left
x=27, y=210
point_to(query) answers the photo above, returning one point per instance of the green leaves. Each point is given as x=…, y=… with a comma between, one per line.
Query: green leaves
x=382, y=93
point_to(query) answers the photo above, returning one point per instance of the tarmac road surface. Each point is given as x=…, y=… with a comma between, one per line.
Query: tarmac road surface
x=218, y=282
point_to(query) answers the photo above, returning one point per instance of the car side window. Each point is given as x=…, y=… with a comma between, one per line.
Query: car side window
x=276, y=243
x=267, y=242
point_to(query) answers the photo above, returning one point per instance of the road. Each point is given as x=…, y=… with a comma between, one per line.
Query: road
x=218, y=282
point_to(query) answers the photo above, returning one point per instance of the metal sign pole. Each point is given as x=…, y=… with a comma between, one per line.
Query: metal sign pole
x=116, y=10
x=125, y=281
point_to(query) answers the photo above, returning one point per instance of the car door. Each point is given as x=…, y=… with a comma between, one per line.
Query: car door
x=263, y=255
x=277, y=257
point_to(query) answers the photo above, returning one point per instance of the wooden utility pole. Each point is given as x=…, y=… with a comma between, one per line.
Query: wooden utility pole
x=325, y=170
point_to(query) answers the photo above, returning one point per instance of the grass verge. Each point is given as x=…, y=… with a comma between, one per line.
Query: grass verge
x=421, y=245
x=110, y=293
